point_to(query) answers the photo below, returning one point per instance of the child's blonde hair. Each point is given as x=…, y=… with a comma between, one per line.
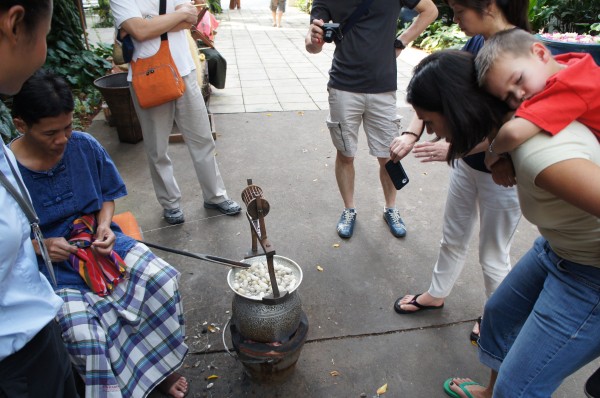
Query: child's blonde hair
x=516, y=42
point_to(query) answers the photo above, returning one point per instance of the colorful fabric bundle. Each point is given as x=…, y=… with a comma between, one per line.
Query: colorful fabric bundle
x=100, y=273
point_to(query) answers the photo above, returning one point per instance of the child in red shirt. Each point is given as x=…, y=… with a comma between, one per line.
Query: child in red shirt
x=548, y=93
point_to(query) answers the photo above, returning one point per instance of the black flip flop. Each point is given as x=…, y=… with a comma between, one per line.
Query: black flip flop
x=421, y=307
x=475, y=337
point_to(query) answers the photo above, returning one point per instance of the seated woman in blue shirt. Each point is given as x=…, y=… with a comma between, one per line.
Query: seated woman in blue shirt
x=125, y=335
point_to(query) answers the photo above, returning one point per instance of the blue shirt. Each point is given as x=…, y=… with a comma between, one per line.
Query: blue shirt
x=27, y=301
x=78, y=184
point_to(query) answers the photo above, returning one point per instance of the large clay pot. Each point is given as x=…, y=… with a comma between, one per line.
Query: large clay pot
x=268, y=320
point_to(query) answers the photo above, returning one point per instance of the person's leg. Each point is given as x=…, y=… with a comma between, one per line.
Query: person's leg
x=499, y=215
x=382, y=125
x=192, y=119
x=498, y=219
x=156, y=124
x=345, y=115
x=559, y=334
x=344, y=175
x=144, y=317
x=279, y=16
x=460, y=216
x=274, y=14
x=273, y=7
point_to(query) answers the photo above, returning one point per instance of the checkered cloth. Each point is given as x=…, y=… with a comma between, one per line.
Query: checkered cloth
x=126, y=343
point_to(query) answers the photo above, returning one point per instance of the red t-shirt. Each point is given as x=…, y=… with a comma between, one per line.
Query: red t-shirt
x=571, y=94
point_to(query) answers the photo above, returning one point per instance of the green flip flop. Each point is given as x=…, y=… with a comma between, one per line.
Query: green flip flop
x=462, y=386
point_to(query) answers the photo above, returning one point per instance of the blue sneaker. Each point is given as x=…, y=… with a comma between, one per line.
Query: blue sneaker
x=173, y=216
x=228, y=207
x=393, y=220
x=345, y=226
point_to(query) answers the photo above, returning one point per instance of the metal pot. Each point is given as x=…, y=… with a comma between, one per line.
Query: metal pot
x=269, y=319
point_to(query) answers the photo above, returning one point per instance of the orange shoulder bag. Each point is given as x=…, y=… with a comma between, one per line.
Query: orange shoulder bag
x=155, y=79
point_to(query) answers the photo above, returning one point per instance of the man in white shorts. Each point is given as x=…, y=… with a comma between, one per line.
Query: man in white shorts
x=362, y=88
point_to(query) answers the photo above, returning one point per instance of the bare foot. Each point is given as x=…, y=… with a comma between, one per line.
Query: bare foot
x=476, y=390
x=175, y=385
x=424, y=299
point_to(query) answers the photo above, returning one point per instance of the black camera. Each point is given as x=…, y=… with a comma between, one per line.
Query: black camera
x=330, y=31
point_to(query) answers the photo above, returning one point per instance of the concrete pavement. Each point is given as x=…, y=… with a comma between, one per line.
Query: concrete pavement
x=353, y=328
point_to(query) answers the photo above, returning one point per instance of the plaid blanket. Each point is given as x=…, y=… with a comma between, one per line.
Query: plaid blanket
x=126, y=343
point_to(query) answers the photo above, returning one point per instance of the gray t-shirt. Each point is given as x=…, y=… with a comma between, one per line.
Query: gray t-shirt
x=365, y=59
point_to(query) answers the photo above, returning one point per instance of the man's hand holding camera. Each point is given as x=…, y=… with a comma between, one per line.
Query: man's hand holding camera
x=314, y=39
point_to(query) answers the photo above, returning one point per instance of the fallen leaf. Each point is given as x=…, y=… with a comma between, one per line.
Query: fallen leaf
x=319, y=268
x=300, y=113
x=336, y=245
x=268, y=114
x=382, y=390
x=212, y=329
x=334, y=373
x=212, y=377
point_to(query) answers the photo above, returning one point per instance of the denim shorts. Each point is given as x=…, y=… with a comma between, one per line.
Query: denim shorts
x=377, y=112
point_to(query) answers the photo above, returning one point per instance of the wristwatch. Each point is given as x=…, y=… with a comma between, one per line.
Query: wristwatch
x=398, y=44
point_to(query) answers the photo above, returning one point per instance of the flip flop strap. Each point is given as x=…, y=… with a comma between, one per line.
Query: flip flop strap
x=414, y=302
x=463, y=386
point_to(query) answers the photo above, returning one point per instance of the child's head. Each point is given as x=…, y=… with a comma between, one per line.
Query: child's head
x=514, y=66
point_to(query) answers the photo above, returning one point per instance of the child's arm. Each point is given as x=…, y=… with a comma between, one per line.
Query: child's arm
x=512, y=134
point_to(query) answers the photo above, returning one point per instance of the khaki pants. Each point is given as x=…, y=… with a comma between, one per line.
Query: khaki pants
x=189, y=112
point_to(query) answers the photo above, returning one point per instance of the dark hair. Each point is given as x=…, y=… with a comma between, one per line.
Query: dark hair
x=43, y=95
x=445, y=82
x=515, y=11
x=34, y=10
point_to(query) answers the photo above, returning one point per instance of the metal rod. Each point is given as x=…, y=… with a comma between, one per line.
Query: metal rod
x=205, y=257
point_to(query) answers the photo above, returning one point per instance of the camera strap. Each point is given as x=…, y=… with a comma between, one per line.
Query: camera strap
x=360, y=11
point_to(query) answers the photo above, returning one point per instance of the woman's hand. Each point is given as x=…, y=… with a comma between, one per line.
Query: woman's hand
x=401, y=146
x=432, y=151
x=503, y=172
x=59, y=249
x=105, y=240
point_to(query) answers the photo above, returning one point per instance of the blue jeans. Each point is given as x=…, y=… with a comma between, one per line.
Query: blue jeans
x=541, y=324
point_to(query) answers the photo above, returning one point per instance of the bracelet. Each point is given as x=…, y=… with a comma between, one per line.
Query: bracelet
x=491, y=150
x=411, y=133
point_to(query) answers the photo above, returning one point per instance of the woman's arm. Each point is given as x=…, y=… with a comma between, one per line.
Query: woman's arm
x=576, y=181
x=105, y=237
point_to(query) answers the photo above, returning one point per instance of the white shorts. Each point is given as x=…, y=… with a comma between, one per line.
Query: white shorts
x=377, y=112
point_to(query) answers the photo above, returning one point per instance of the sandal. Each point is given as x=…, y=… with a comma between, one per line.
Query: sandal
x=399, y=310
x=474, y=337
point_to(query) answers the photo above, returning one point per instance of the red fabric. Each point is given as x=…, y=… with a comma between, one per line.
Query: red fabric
x=100, y=273
x=571, y=94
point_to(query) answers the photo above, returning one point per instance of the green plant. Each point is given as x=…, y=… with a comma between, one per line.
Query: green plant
x=7, y=128
x=304, y=5
x=215, y=6
x=69, y=57
x=440, y=36
x=563, y=15
x=104, y=14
